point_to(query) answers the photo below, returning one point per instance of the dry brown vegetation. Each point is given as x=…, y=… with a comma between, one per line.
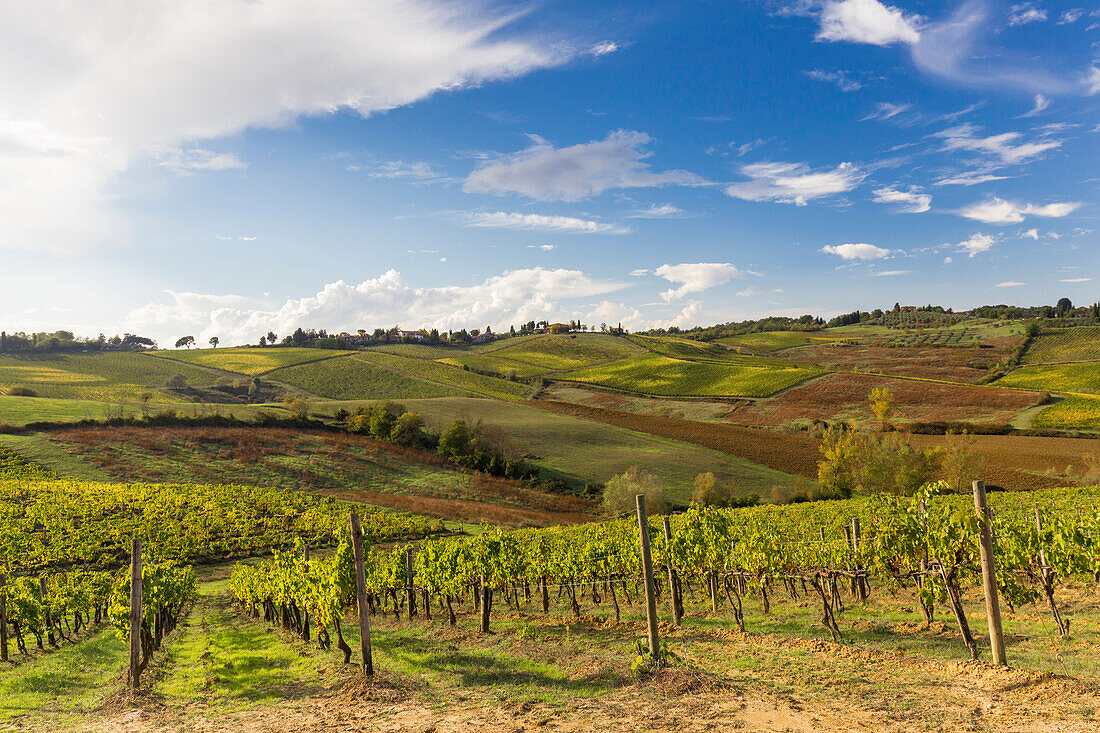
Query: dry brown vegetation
x=952, y=365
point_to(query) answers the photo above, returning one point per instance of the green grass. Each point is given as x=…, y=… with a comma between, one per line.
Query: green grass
x=1084, y=377
x=1079, y=343
x=359, y=377
x=19, y=411
x=50, y=455
x=660, y=375
x=65, y=684
x=112, y=376
x=581, y=451
x=247, y=360
x=1075, y=412
x=567, y=351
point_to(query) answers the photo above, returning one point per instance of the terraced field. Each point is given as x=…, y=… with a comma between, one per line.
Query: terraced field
x=113, y=376
x=1082, y=377
x=247, y=360
x=357, y=377
x=1062, y=345
x=661, y=375
x=567, y=351
x=1075, y=412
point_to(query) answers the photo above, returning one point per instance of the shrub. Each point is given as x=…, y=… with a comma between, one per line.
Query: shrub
x=17, y=391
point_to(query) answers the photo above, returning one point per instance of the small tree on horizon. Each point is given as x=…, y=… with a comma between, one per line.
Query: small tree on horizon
x=185, y=341
x=214, y=341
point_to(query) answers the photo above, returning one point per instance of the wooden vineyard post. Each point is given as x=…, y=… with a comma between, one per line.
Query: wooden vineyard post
x=135, y=612
x=672, y=590
x=361, y=595
x=410, y=589
x=989, y=577
x=856, y=538
x=3, y=618
x=305, y=612
x=1042, y=552
x=486, y=605
x=647, y=571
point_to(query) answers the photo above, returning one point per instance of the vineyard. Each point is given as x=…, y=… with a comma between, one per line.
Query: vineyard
x=1075, y=412
x=247, y=360
x=101, y=377
x=352, y=378
x=566, y=351
x=1081, y=343
x=1083, y=377
x=924, y=549
x=936, y=337
x=661, y=375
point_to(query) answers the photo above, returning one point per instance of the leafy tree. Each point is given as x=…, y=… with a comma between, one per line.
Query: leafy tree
x=408, y=429
x=214, y=341
x=263, y=341
x=271, y=337
x=706, y=491
x=185, y=341
x=619, y=494
x=254, y=389
x=1064, y=306
x=177, y=381
x=882, y=400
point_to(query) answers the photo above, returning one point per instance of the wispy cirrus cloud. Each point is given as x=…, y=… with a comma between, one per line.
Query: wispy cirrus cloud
x=547, y=173
x=538, y=222
x=197, y=160
x=1025, y=13
x=794, y=183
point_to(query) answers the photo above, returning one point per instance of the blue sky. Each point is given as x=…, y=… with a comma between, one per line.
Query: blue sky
x=229, y=168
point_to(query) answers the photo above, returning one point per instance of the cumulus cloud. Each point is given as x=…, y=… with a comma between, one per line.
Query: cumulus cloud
x=856, y=251
x=910, y=202
x=615, y=313
x=511, y=297
x=696, y=277
x=976, y=244
x=540, y=222
x=87, y=90
x=867, y=21
x=794, y=183
x=547, y=173
x=999, y=211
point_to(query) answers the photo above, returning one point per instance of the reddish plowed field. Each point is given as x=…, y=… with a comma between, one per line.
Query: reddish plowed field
x=952, y=365
x=844, y=396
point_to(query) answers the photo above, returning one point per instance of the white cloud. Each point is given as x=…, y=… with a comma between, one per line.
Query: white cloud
x=1010, y=284
x=615, y=313
x=1031, y=234
x=1076, y=280
x=1038, y=106
x=515, y=220
x=911, y=201
x=866, y=21
x=640, y=272
x=948, y=260
x=972, y=178
x=856, y=251
x=543, y=247
x=999, y=211
x=1001, y=147
x=664, y=211
x=753, y=290
x=696, y=277
x=415, y=171
x=886, y=111
x=194, y=160
x=1026, y=13
x=888, y=273
x=976, y=244
x=546, y=173
x=794, y=183
x=688, y=316
x=511, y=297
x=1092, y=80
x=88, y=90
x=843, y=82
x=1070, y=16
x=603, y=48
